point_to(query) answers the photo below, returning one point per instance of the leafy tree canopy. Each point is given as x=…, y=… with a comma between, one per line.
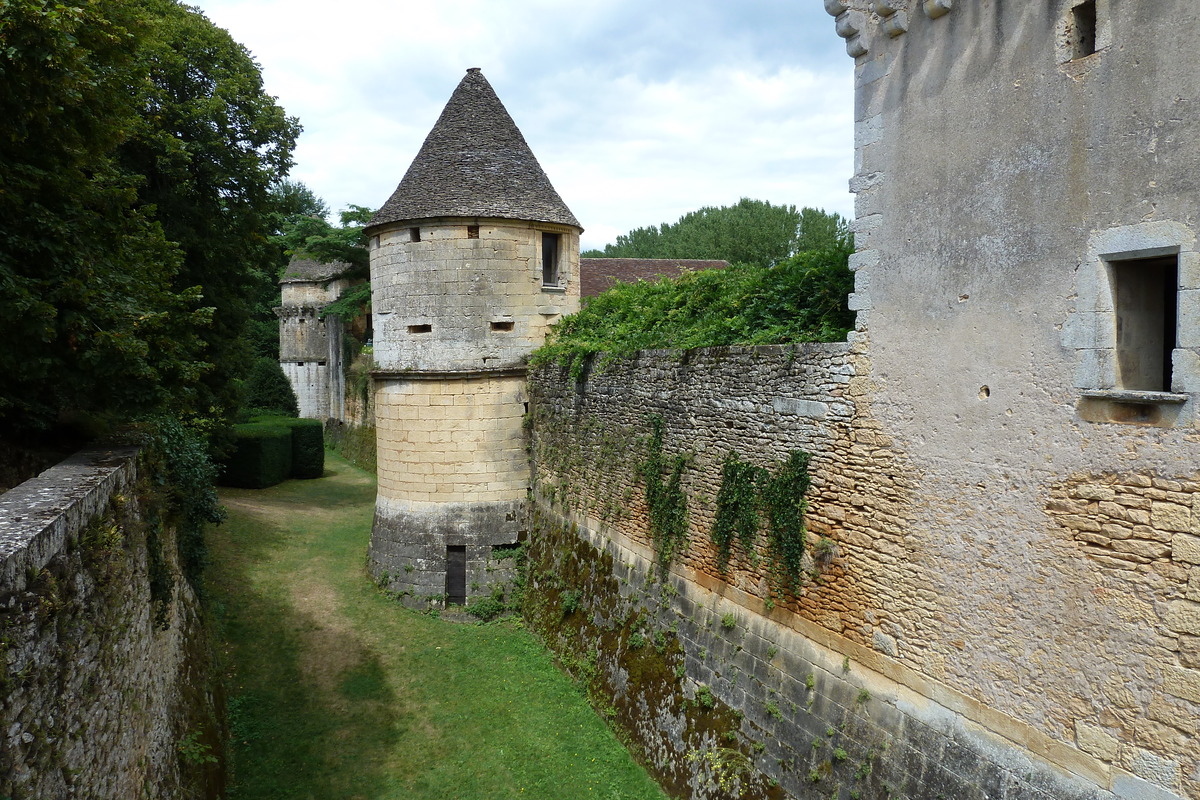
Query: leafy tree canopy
x=135, y=174
x=750, y=232
x=312, y=236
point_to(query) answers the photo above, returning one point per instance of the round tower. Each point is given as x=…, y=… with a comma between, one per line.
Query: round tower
x=472, y=258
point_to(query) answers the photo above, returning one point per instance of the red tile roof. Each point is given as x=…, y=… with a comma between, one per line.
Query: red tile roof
x=597, y=274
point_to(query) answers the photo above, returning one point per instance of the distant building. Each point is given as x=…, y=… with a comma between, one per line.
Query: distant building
x=598, y=274
x=310, y=348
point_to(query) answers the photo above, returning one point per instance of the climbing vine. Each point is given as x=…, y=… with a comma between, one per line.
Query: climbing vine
x=747, y=490
x=666, y=501
x=785, y=504
x=737, y=509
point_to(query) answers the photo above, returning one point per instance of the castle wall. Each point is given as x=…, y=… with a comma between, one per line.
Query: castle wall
x=310, y=348
x=451, y=302
x=106, y=682
x=852, y=660
x=458, y=305
x=1005, y=182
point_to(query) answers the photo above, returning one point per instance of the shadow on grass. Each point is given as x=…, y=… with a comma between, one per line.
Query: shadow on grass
x=311, y=712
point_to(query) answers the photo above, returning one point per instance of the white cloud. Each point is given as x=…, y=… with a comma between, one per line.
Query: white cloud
x=638, y=114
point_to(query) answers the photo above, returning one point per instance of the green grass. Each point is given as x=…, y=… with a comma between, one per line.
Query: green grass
x=338, y=692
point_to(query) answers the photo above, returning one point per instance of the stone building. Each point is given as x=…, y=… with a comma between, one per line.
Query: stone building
x=1028, y=296
x=472, y=258
x=310, y=348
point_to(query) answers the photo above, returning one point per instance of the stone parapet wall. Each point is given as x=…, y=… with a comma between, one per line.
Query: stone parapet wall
x=108, y=689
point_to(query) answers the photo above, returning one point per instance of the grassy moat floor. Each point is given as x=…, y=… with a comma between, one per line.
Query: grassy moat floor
x=336, y=692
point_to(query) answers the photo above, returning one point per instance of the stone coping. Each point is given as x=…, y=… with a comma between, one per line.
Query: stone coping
x=38, y=517
x=1136, y=396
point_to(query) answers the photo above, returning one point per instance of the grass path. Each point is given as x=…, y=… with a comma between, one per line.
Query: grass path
x=337, y=692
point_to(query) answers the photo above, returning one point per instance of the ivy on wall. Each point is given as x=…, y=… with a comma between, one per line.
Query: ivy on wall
x=665, y=500
x=737, y=509
x=783, y=497
x=747, y=490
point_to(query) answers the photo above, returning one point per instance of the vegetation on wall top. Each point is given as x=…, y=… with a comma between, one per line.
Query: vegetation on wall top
x=800, y=299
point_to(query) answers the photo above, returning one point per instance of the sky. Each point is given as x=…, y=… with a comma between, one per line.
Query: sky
x=639, y=112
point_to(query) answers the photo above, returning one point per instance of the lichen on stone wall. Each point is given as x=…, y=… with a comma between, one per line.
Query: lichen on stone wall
x=105, y=666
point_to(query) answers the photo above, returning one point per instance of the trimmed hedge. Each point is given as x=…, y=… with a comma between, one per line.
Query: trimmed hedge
x=272, y=449
x=308, y=448
x=262, y=456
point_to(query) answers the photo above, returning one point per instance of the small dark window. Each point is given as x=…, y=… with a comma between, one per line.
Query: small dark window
x=300, y=363
x=414, y=234
x=1083, y=29
x=1145, y=299
x=504, y=325
x=320, y=363
x=472, y=231
x=456, y=575
x=420, y=328
x=550, y=259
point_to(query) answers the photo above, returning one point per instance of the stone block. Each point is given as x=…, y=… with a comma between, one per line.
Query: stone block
x=1193, y=588
x=1185, y=547
x=1189, y=314
x=1170, y=516
x=1183, y=616
x=1096, y=741
x=1095, y=370
x=1182, y=682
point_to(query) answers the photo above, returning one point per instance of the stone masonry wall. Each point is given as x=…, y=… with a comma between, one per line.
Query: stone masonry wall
x=868, y=616
x=453, y=302
x=107, y=689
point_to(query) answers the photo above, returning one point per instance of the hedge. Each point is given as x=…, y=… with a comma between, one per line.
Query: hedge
x=262, y=456
x=271, y=449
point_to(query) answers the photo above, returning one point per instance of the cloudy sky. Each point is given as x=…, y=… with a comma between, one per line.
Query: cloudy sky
x=638, y=111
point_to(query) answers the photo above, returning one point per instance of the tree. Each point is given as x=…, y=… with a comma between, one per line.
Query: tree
x=138, y=151
x=750, y=232
x=212, y=145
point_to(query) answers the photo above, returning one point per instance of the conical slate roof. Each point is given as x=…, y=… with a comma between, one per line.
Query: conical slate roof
x=475, y=163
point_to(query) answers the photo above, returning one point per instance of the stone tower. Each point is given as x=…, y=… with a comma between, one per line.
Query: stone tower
x=472, y=258
x=310, y=348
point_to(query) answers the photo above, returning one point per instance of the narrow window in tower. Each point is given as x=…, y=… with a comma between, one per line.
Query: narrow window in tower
x=472, y=231
x=1083, y=29
x=414, y=234
x=420, y=328
x=550, y=276
x=503, y=325
x=1145, y=299
x=456, y=575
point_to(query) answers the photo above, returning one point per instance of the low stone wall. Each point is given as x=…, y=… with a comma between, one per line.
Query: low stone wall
x=108, y=688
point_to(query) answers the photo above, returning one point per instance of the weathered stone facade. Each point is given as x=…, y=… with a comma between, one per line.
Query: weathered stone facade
x=472, y=258
x=310, y=346
x=108, y=688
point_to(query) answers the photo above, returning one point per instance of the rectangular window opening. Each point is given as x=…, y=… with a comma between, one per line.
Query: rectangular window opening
x=414, y=234
x=550, y=242
x=1145, y=299
x=472, y=231
x=1083, y=29
x=456, y=575
x=320, y=363
x=420, y=328
x=503, y=325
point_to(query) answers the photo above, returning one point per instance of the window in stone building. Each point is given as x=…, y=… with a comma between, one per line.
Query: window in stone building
x=1083, y=29
x=550, y=266
x=502, y=325
x=472, y=231
x=425, y=328
x=414, y=234
x=1145, y=303
x=456, y=575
